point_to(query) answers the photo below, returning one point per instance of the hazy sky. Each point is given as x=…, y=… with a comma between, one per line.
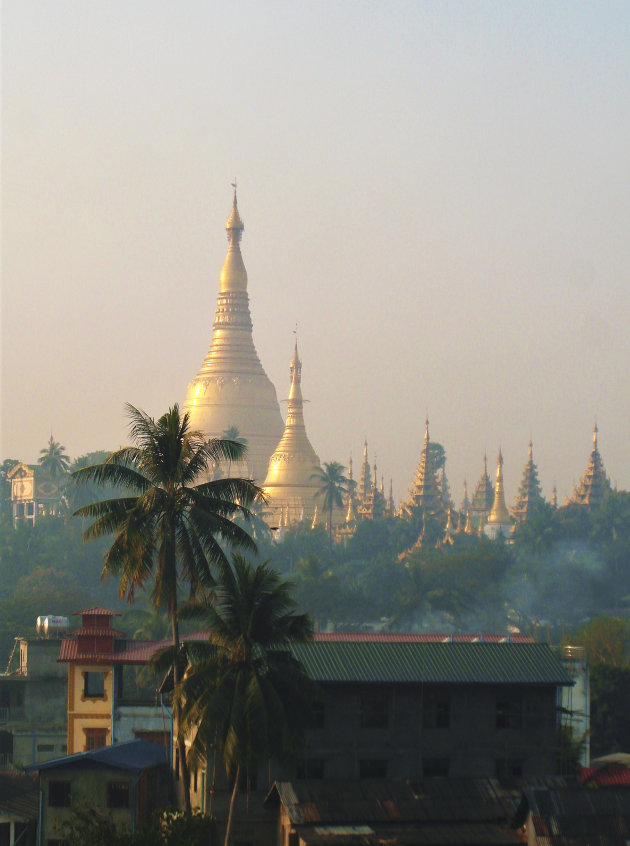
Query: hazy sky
x=438, y=193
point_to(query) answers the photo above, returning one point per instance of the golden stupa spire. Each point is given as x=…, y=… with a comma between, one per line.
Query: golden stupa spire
x=233, y=275
x=289, y=482
x=231, y=389
x=499, y=517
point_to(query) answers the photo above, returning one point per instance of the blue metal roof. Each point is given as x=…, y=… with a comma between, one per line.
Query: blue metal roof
x=133, y=756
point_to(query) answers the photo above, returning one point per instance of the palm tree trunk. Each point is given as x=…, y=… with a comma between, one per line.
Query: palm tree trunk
x=181, y=745
x=228, y=827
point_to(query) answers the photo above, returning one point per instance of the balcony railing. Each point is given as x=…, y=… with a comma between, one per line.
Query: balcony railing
x=4, y=715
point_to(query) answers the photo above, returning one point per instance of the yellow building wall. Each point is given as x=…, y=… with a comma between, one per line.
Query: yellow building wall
x=93, y=712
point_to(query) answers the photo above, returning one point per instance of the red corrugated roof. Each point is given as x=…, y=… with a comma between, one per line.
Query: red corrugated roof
x=96, y=632
x=394, y=637
x=100, y=611
x=607, y=776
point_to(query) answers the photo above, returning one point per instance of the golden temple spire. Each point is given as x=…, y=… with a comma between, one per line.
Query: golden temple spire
x=499, y=518
x=595, y=485
x=554, y=497
x=529, y=496
x=231, y=389
x=289, y=482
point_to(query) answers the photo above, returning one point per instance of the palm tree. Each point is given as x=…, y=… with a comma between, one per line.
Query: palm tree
x=244, y=693
x=53, y=459
x=332, y=487
x=232, y=434
x=166, y=526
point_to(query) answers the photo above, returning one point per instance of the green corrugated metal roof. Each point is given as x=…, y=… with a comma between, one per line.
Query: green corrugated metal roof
x=435, y=663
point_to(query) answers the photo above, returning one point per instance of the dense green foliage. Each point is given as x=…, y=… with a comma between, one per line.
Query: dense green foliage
x=168, y=828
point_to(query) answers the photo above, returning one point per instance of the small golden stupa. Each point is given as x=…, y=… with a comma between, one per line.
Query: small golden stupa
x=231, y=391
x=499, y=521
x=289, y=486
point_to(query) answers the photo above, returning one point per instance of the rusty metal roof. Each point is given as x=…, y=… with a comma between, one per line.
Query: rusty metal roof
x=367, y=801
x=579, y=815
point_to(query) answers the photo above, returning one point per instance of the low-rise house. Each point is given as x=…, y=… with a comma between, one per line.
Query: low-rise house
x=124, y=783
x=19, y=799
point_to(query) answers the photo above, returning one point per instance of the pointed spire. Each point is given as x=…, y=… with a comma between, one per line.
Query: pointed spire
x=482, y=498
x=499, y=518
x=365, y=482
x=595, y=485
x=315, y=518
x=289, y=479
x=529, y=495
x=425, y=495
x=554, y=497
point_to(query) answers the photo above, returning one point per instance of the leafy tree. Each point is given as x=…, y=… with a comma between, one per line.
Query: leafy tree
x=610, y=694
x=53, y=459
x=332, y=487
x=168, y=526
x=606, y=640
x=167, y=828
x=243, y=689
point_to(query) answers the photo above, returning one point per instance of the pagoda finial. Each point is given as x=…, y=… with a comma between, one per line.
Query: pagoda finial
x=499, y=515
x=595, y=431
x=426, y=429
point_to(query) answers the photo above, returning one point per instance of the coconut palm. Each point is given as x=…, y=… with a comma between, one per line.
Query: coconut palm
x=244, y=692
x=53, y=459
x=332, y=487
x=232, y=434
x=168, y=528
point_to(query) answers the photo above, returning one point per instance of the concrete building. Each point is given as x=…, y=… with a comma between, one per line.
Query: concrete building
x=410, y=707
x=33, y=704
x=105, y=705
x=34, y=494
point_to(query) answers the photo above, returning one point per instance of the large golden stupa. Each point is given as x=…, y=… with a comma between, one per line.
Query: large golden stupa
x=231, y=391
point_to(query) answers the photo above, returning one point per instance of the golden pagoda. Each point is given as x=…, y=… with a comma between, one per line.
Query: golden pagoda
x=481, y=501
x=425, y=496
x=364, y=485
x=288, y=486
x=231, y=389
x=499, y=521
x=529, y=496
x=594, y=486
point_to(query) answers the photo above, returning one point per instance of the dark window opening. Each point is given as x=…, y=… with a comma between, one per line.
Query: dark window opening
x=435, y=767
x=310, y=768
x=94, y=685
x=248, y=780
x=508, y=767
x=374, y=710
x=509, y=712
x=318, y=715
x=436, y=709
x=118, y=794
x=59, y=794
x=373, y=768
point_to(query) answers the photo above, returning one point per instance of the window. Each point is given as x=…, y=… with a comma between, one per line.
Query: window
x=310, y=768
x=435, y=767
x=248, y=780
x=195, y=781
x=374, y=709
x=372, y=768
x=95, y=738
x=45, y=747
x=59, y=794
x=118, y=794
x=318, y=715
x=436, y=709
x=94, y=685
x=508, y=767
x=509, y=711
x=55, y=842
